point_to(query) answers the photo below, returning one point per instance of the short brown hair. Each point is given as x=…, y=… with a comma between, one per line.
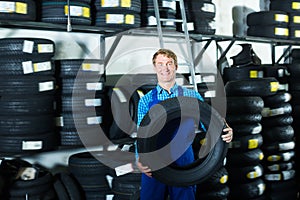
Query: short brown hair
x=166, y=52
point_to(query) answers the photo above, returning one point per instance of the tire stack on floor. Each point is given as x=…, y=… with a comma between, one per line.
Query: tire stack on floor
x=126, y=186
x=278, y=147
x=244, y=157
x=27, y=86
x=18, y=10
x=278, y=134
x=67, y=187
x=90, y=173
x=215, y=187
x=83, y=105
x=57, y=12
x=167, y=10
x=200, y=16
x=23, y=180
x=118, y=15
x=100, y=174
x=294, y=90
x=244, y=87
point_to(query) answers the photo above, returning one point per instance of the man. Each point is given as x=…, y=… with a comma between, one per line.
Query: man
x=165, y=66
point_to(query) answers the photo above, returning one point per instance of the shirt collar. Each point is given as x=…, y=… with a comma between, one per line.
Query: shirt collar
x=160, y=89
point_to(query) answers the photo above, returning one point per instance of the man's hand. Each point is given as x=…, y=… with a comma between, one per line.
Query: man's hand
x=144, y=169
x=229, y=133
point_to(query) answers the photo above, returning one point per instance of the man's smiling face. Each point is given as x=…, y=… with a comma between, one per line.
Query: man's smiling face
x=165, y=69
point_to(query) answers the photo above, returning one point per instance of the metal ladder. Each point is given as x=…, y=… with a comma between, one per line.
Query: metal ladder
x=190, y=60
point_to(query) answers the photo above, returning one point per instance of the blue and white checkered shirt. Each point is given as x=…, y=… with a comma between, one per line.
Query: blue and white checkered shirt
x=162, y=94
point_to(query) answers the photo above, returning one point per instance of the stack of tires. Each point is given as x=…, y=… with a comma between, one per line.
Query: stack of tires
x=82, y=102
x=244, y=158
x=167, y=10
x=58, y=11
x=294, y=90
x=270, y=24
x=245, y=86
x=126, y=186
x=279, y=137
x=293, y=11
x=200, y=16
x=23, y=180
x=118, y=15
x=27, y=86
x=90, y=173
x=18, y=10
x=215, y=187
x=279, y=146
x=67, y=187
x=124, y=105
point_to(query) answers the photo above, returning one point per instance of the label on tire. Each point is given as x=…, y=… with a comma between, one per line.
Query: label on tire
x=274, y=86
x=45, y=48
x=261, y=188
x=253, y=143
x=32, y=145
x=169, y=4
x=13, y=7
x=207, y=7
x=77, y=11
x=109, y=3
x=94, y=67
x=295, y=5
x=296, y=19
x=94, y=86
x=46, y=86
x=124, y=169
x=129, y=19
x=92, y=102
x=94, y=120
x=42, y=66
x=28, y=46
x=256, y=74
x=21, y=8
x=281, y=18
x=27, y=67
x=7, y=7
x=114, y=18
x=281, y=31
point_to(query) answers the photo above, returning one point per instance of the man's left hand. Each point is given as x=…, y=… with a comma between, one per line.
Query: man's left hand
x=229, y=134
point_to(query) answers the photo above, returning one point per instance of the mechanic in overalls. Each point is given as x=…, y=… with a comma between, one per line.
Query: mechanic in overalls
x=165, y=66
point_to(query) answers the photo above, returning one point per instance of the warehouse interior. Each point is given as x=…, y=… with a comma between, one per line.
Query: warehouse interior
x=72, y=73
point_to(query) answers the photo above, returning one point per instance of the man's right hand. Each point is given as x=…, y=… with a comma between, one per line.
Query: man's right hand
x=145, y=169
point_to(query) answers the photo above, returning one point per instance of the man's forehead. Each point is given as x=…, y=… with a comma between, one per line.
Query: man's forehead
x=164, y=57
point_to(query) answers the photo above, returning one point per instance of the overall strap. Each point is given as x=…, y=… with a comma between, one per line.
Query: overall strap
x=155, y=99
x=180, y=91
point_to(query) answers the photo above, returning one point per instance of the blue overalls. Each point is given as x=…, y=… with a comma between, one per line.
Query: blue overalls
x=152, y=189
